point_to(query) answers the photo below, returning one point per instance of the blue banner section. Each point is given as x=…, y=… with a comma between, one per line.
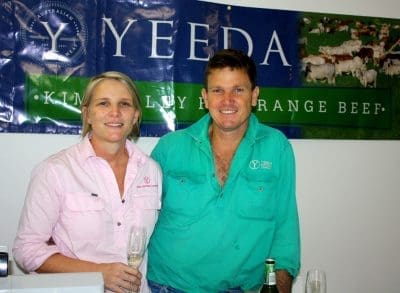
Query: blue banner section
x=49, y=49
x=158, y=41
x=172, y=40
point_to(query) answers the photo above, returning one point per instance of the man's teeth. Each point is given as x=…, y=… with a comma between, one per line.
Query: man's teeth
x=228, y=111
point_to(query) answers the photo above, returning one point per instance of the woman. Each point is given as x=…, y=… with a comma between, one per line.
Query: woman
x=86, y=198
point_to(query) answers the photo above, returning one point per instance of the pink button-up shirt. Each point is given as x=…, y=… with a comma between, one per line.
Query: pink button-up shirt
x=73, y=197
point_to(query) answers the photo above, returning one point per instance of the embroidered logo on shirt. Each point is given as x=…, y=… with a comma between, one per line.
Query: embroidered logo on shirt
x=146, y=183
x=254, y=164
x=257, y=164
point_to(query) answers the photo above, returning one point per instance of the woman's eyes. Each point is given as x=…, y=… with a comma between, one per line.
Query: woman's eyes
x=104, y=103
x=126, y=104
x=122, y=104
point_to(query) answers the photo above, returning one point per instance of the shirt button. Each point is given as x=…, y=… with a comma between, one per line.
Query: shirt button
x=123, y=201
x=119, y=224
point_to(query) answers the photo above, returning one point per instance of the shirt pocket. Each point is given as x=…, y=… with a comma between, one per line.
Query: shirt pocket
x=146, y=202
x=257, y=199
x=186, y=195
x=84, y=216
x=143, y=211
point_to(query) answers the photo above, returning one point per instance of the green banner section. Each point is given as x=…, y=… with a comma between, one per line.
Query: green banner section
x=56, y=98
x=349, y=107
x=162, y=101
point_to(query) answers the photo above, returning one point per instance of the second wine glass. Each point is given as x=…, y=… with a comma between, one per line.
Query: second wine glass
x=316, y=281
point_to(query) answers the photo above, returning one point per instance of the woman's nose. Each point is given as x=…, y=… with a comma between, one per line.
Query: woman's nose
x=115, y=110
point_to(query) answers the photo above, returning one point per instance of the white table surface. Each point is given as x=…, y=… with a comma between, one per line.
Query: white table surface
x=46, y=283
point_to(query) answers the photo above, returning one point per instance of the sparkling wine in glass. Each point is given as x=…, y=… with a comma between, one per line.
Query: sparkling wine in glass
x=136, y=246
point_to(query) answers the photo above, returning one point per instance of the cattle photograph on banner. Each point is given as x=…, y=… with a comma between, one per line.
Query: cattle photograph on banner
x=321, y=75
x=358, y=59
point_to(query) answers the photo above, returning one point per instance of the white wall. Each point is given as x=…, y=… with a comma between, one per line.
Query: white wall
x=347, y=189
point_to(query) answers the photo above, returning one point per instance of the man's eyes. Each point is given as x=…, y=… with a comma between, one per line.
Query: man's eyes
x=217, y=91
x=237, y=91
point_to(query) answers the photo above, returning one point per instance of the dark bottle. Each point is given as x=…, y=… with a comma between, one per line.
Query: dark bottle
x=270, y=277
x=3, y=264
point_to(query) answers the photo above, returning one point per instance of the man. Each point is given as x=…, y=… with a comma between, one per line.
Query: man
x=228, y=193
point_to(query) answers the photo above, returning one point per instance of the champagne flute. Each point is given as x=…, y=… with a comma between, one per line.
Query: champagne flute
x=316, y=281
x=136, y=246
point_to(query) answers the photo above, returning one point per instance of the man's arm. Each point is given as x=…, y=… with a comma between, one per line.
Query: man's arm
x=286, y=244
x=284, y=281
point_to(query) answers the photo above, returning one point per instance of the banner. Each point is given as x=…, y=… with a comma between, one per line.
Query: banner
x=321, y=75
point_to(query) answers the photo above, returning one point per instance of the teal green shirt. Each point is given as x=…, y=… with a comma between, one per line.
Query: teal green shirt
x=210, y=238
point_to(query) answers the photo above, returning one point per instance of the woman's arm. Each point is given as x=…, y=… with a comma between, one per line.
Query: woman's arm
x=118, y=277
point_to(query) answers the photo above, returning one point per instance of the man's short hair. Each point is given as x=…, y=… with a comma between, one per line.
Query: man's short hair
x=234, y=59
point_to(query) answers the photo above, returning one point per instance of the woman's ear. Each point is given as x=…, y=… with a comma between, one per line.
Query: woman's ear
x=136, y=117
x=85, y=115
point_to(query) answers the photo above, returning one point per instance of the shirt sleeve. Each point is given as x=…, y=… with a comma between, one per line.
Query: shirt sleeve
x=38, y=217
x=160, y=182
x=286, y=244
x=156, y=153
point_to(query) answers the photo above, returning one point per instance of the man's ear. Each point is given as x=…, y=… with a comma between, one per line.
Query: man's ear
x=254, y=96
x=204, y=95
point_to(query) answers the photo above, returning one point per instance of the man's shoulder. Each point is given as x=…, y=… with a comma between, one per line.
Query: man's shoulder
x=174, y=136
x=172, y=142
x=269, y=136
x=266, y=131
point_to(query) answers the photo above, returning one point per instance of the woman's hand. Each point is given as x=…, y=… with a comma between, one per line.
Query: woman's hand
x=120, y=278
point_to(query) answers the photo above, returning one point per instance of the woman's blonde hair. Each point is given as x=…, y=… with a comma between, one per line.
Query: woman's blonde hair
x=126, y=80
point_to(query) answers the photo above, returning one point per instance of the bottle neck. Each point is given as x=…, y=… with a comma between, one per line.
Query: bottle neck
x=270, y=279
x=270, y=276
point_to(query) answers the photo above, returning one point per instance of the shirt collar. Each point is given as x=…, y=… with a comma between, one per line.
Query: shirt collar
x=87, y=151
x=85, y=148
x=199, y=130
x=252, y=133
